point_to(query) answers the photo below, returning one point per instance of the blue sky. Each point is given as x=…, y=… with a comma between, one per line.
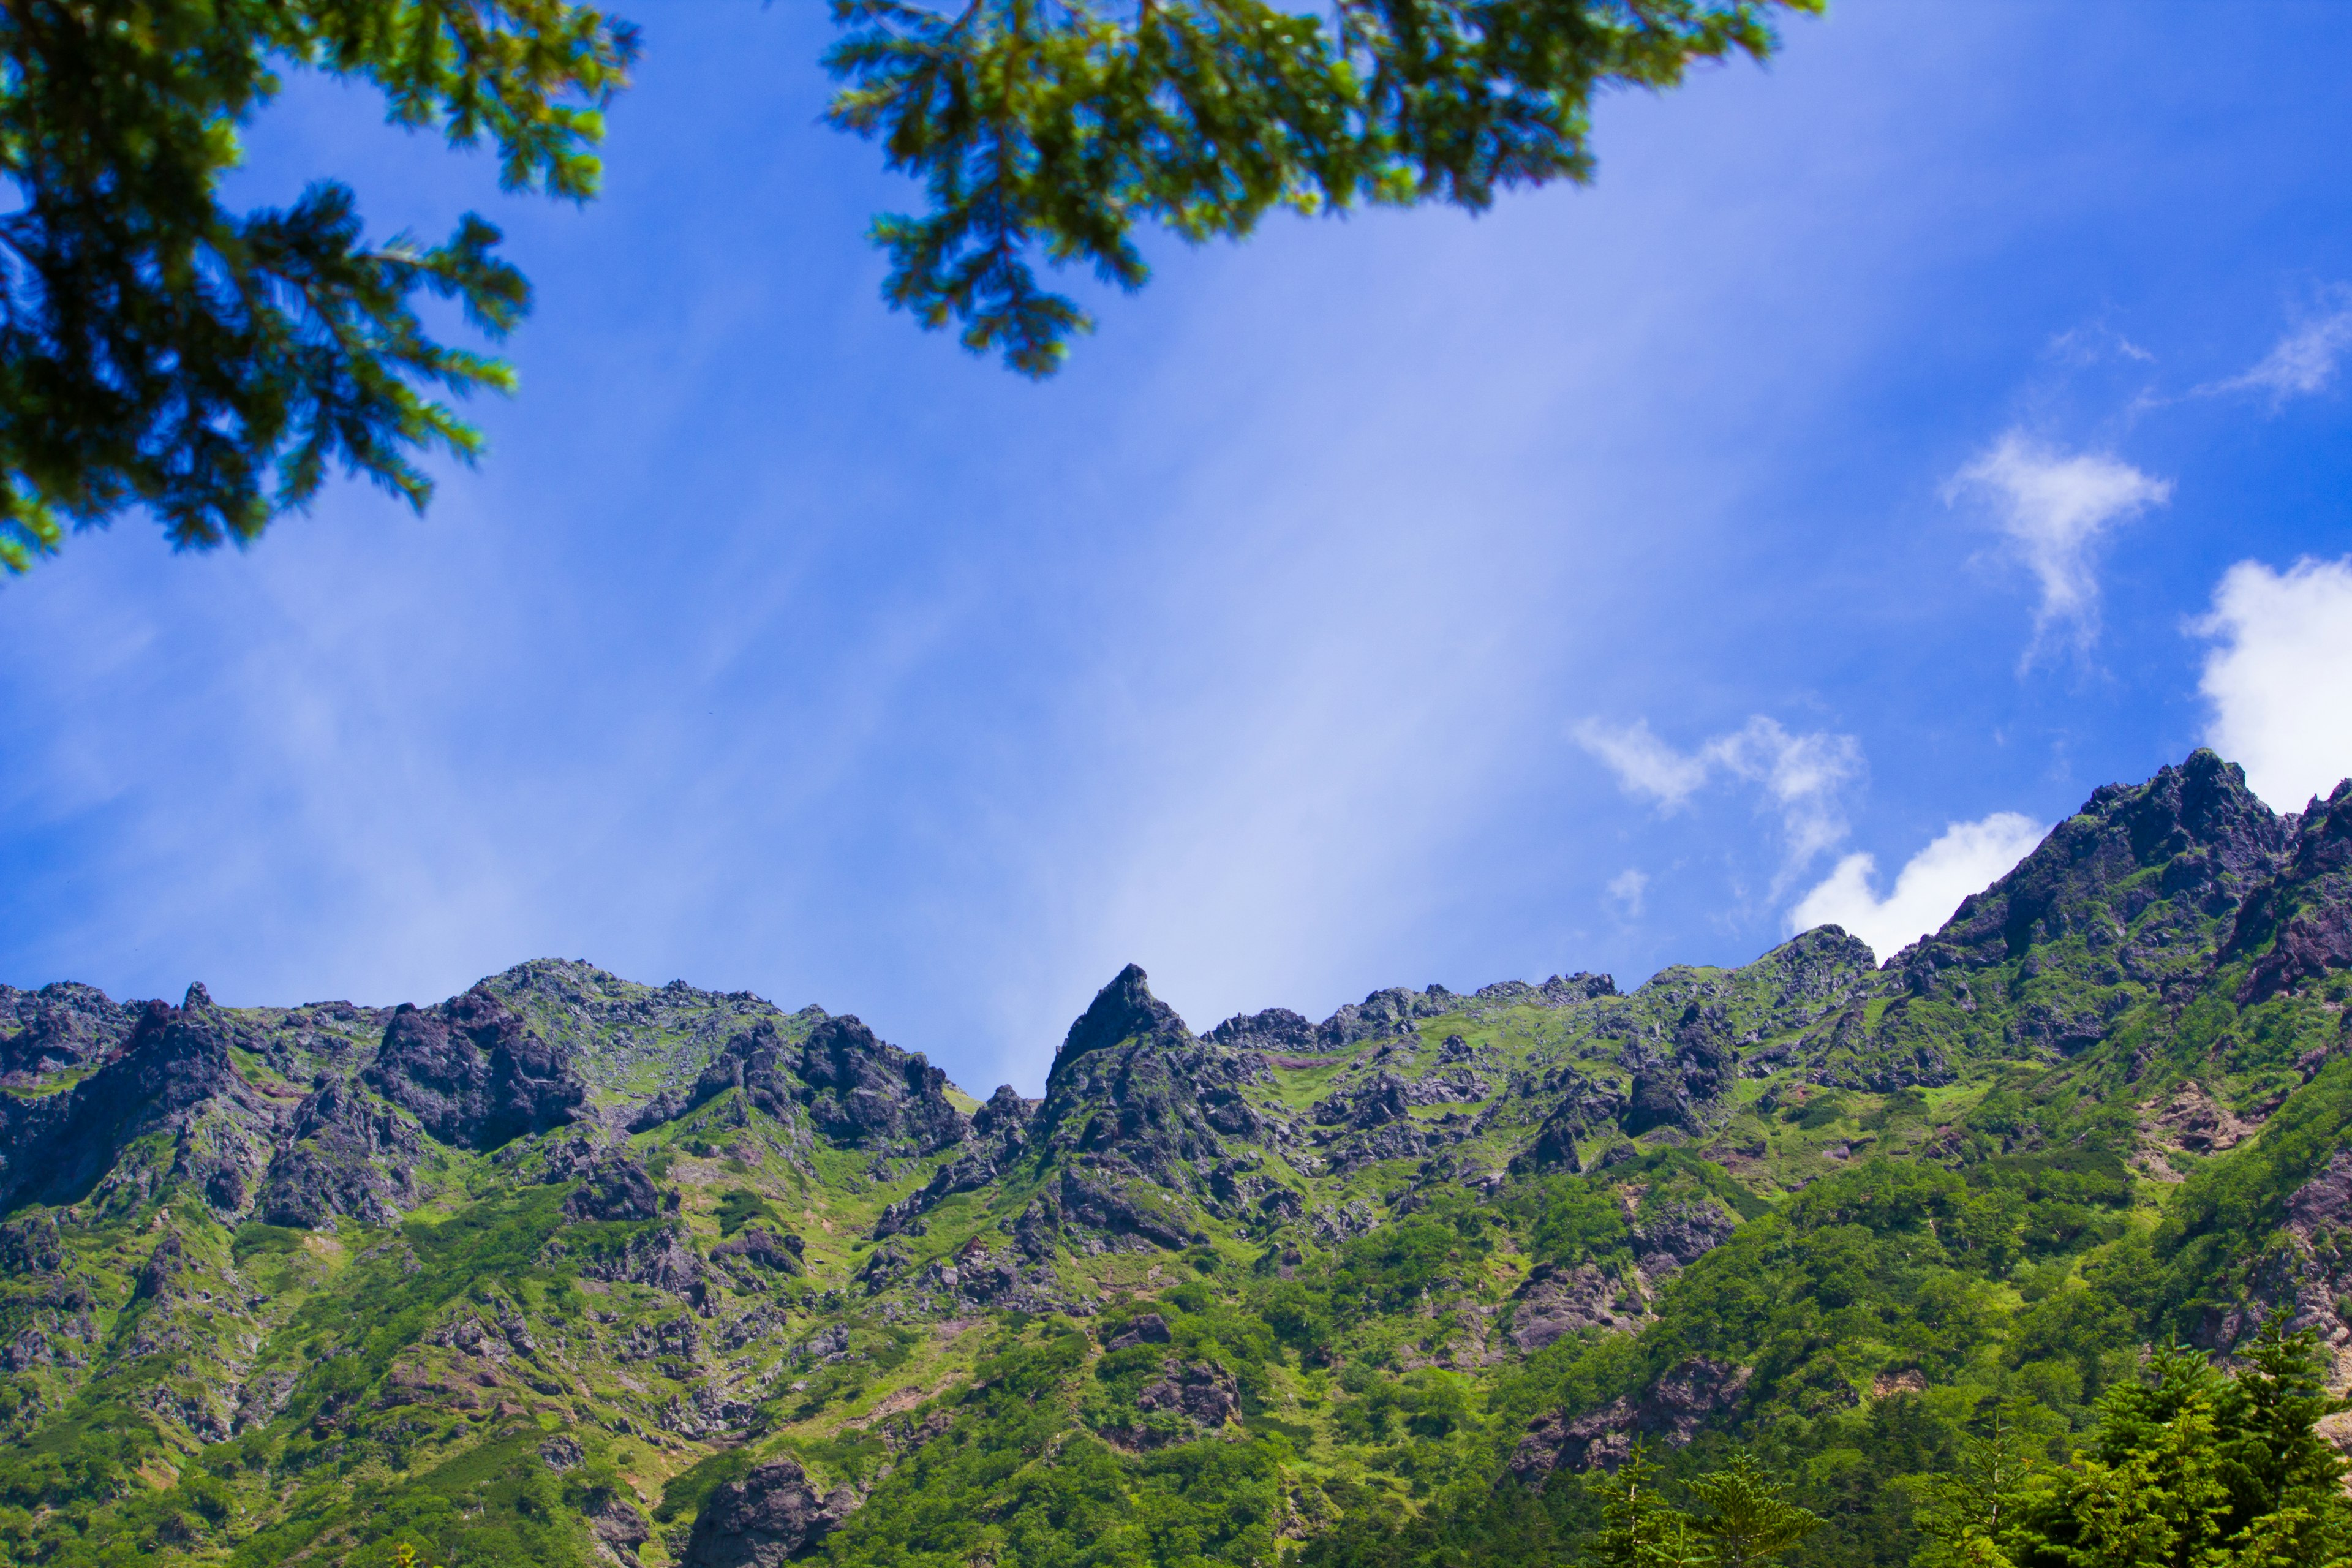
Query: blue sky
x=1892, y=447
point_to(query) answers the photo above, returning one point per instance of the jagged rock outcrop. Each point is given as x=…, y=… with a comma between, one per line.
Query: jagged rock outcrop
x=1131, y=1101
x=342, y=1156
x=1677, y=1233
x=1581, y=1109
x=2214, y=840
x=1555, y=1302
x=1190, y=1398
x=615, y=1188
x=473, y=1073
x=778, y=1252
x=60, y=1025
x=766, y=1519
x=2303, y=918
x=866, y=1093
x=173, y=1075
x=1276, y=1030
x=1000, y=1136
x=855, y=1089
x=1686, y=1398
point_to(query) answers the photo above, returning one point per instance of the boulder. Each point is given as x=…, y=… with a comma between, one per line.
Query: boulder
x=765, y=1519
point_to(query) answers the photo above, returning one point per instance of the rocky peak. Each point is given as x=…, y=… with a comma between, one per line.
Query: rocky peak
x=858, y=1091
x=2215, y=840
x=1389, y=1012
x=1121, y=1011
x=473, y=1073
x=1007, y=1114
x=1276, y=1029
x=2300, y=926
x=866, y=1093
x=172, y=1074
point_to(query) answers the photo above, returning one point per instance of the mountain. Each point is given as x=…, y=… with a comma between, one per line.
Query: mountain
x=569, y=1268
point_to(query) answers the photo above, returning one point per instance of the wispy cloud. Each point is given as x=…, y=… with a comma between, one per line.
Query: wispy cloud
x=1627, y=891
x=1800, y=775
x=2304, y=362
x=2053, y=509
x=2280, y=679
x=1967, y=857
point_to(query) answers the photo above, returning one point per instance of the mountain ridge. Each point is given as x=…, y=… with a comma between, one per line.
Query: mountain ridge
x=569, y=1268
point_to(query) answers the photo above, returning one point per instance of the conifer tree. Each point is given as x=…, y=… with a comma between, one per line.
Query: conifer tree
x=2188, y=1468
x=161, y=352
x=1056, y=128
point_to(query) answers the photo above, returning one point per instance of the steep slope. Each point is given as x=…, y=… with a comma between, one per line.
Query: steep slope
x=568, y=1268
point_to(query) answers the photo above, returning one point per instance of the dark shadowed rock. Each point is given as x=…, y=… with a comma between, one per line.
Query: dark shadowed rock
x=2303, y=919
x=343, y=1155
x=1277, y=1030
x=1150, y=1329
x=473, y=1073
x=2214, y=841
x=766, y=1519
x=1121, y=1011
x=1676, y=1234
x=58, y=1027
x=615, y=1188
x=857, y=1089
x=779, y=1252
x=866, y=1093
x=1133, y=1100
x=172, y=1076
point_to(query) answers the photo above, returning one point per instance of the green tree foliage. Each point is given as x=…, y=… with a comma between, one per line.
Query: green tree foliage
x=159, y=351
x=2188, y=1468
x=1747, y=1518
x=1059, y=126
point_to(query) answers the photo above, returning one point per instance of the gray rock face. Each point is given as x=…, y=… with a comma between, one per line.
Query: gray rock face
x=1387, y=1097
x=2306, y=917
x=58, y=1027
x=1584, y=1108
x=1555, y=1302
x=867, y=1094
x=1276, y=1030
x=615, y=1523
x=1682, y=1401
x=660, y=1256
x=1131, y=1101
x=1679, y=1234
x=1000, y=1131
x=344, y=1156
x=473, y=1074
x=765, y=1520
x=2199, y=822
x=778, y=1252
x=173, y=1075
x=1202, y=1395
x=615, y=1188
x=1122, y=1011
x=857, y=1090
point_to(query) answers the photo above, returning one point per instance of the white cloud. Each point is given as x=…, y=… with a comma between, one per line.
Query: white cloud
x=1799, y=775
x=1966, y=859
x=2303, y=362
x=1627, y=889
x=2281, y=678
x=1644, y=763
x=2053, y=509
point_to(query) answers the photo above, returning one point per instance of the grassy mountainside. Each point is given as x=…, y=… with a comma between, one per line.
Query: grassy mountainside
x=570, y=1269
